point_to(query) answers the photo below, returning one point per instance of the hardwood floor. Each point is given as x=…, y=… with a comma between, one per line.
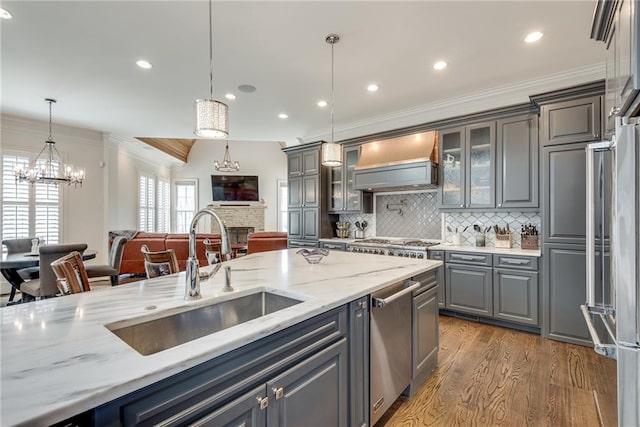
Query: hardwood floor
x=492, y=376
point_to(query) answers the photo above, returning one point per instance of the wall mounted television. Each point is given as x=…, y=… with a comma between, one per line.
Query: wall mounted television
x=235, y=188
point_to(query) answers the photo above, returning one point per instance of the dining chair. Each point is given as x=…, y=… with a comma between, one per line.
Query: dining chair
x=159, y=263
x=212, y=251
x=115, y=259
x=21, y=245
x=46, y=285
x=71, y=275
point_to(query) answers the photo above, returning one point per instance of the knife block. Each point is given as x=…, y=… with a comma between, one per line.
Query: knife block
x=503, y=240
x=529, y=242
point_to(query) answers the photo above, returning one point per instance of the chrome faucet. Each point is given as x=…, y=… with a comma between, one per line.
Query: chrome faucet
x=192, y=284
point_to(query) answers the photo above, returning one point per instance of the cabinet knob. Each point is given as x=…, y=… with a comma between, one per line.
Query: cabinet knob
x=263, y=402
x=362, y=304
x=614, y=111
x=499, y=204
x=278, y=392
x=462, y=206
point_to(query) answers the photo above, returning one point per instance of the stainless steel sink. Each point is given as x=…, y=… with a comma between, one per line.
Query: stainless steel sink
x=154, y=333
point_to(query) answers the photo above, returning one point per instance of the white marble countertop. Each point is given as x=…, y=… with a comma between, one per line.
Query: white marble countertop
x=338, y=240
x=58, y=359
x=486, y=249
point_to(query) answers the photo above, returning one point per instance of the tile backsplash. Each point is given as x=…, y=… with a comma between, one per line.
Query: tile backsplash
x=484, y=219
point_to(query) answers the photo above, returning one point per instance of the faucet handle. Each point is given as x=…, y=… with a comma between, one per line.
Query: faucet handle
x=227, y=279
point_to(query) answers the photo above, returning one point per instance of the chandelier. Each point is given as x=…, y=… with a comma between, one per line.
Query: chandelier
x=332, y=152
x=227, y=165
x=48, y=167
x=212, y=117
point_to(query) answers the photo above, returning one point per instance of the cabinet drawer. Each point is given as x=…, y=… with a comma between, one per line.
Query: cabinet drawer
x=437, y=255
x=469, y=258
x=517, y=262
x=332, y=245
x=302, y=243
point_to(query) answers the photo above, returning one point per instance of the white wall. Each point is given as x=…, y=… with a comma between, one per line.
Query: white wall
x=264, y=159
x=83, y=208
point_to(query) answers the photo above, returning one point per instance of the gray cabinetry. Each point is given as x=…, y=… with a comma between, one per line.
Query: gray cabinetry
x=339, y=246
x=515, y=295
x=307, y=205
x=469, y=289
x=439, y=256
x=425, y=335
x=575, y=120
x=343, y=197
x=517, y=162
x=359, y=362
x=243, y=411
x=314, y=392
x=617, y=23
x=467, y=166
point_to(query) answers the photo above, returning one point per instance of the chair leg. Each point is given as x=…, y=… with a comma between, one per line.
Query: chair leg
x=12, y=295
x=114, y=280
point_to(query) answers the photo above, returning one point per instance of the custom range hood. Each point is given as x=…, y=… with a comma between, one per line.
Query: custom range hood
x=405, y=162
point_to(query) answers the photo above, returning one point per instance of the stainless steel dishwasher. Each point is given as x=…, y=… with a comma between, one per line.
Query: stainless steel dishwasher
x=390, y=369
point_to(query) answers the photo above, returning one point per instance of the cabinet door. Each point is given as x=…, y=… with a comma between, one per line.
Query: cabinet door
x=425, y=334
x=295, y=223
x=564, y=189
x=312, y=393
x=515, y=296
x=294, y=191
x=310, y=223
x=480, y=165
x=310, y=190
x=336, y=192
x=359, y=362
x=469, y=289
x=612, y=91
x=244, y=411
x=452, y=164
x=577, y=120
x=439, y=255
x=310, y=162
x=517, y=163
x=564, y=282
x=352, y=197
x=294, y=163
x=628, y=57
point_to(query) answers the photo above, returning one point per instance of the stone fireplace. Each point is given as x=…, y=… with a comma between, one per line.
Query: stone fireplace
x=241, y=220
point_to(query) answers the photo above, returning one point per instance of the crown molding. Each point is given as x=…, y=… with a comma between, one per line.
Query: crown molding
x=498, y=97
x=134, y=148
x=40, y=129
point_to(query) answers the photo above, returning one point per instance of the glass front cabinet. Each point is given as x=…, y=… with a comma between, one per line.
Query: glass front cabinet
x=343, y=197
x=467, y=166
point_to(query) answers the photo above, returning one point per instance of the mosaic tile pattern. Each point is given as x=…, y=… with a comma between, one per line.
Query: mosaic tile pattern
x=369, y=231
x=411, y=215
x=485, y=219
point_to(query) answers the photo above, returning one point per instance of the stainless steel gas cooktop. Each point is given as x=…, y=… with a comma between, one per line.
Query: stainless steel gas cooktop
x=413, y=248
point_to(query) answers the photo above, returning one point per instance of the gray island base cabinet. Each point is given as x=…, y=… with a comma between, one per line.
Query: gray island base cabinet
x=279, y=380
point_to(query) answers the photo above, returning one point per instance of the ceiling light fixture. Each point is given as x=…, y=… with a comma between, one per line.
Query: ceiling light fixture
x=212, y=117
x=146, y=65
x=230, y=96
x=5, y=14
x=372, y=87
x=332, y=152
x=440, y=65
x=227, y=164
x=48, y=167
x=533, y=37
x=283, y=116
x=322, y=104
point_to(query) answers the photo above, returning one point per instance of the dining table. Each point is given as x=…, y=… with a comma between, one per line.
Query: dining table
x=11, y=263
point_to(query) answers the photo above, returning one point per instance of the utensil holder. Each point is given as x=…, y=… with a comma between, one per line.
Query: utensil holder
x=457, y=239
x=529, y=242
x=503, y=240
x=480, y=239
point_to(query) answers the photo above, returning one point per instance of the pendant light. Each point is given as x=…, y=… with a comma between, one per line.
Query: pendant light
x=212, y=117
x=227, y=165
x=48, y=167
x=331, y=151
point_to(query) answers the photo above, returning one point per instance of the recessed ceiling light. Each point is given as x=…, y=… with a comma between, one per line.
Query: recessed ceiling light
x=440, y=65
x=230, y=96
x=146, y=65
x=322, y=104
x=372, y=87
x=283, y=116
x=5, y=14
x=533, y=37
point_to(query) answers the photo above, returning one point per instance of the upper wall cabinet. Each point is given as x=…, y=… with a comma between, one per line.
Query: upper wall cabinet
x=617, y=23
x=576, y=120
x=344, y=198
x=467, y=166
x=517, y=162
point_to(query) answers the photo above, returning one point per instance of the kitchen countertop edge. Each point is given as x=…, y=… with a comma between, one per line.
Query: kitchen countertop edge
x=485, y=249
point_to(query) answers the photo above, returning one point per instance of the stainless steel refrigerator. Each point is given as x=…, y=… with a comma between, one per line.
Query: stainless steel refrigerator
x=613, y=259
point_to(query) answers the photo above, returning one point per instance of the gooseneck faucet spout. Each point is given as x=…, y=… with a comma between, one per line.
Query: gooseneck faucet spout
x=192, y=284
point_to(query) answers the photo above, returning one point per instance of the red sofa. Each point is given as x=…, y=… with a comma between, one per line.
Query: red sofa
x=133, y=261
x=263, y=241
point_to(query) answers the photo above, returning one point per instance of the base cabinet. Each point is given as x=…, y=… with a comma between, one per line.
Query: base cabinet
x=425, y=335
x=242, y=411
x=515, y=296
x=469, y=289
x=359, y=362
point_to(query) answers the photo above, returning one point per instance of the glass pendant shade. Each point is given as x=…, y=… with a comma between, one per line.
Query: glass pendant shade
x=212, y=119
x=331, y=154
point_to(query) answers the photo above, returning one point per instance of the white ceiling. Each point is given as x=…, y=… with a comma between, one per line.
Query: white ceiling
x=83, y=53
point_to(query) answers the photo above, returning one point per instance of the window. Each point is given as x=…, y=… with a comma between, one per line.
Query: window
x=153, y=204
x=283, y=217
x=28, y=210
x=186, y=203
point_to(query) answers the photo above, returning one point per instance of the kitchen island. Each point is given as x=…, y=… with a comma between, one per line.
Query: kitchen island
x=59, y=360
